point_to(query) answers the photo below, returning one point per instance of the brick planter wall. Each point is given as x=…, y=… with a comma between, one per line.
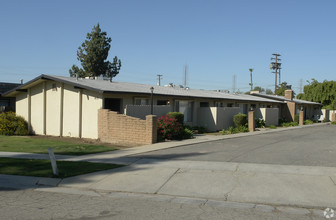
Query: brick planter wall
x=125, y=130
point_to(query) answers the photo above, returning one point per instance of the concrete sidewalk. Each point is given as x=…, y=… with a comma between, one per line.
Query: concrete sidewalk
x=278, y=185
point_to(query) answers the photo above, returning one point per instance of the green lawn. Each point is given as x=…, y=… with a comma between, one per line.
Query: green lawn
x=42, y=168
x=41, y=145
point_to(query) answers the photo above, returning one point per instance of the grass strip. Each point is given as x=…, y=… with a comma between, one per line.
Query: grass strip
x=42, y=168
x=34, y=145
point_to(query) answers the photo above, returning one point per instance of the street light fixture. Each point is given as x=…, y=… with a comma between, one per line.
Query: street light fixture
x=152, y=89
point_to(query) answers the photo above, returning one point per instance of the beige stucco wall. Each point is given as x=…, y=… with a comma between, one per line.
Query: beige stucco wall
x=207, y=117
x=216, y=118
x=22, y=105
x=225, y=117
x=71, y=112
x=36, y=93
x=53, y=101
x=271, y=116
x=71, y=126
x=91, y=102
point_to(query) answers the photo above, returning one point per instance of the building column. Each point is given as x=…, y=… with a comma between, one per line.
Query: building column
x=80, y=113
x=29, y=110
x=251, y=121
x=301, y=117
x=333, y=116
x=61, y=109
x=44, y=110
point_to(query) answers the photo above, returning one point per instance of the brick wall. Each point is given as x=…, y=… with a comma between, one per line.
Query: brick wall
x=291, y=110
x=125, y=130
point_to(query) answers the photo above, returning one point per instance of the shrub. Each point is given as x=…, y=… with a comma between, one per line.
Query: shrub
x=187, y=133
x=333, y=123
x=177, y=115
x=272, y=127
x=282, y=120
x=290, y=124
x=199, y=129
x=240, y=120
x=308, y=122
x=260, y=123
x=297, y=118
x=169, y=128
x=242, y=129
x=233, y=130
x=12, y=124
x=230, y=130
x=325, y=120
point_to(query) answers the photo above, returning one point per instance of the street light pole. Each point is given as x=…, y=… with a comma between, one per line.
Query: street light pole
x=152, y=89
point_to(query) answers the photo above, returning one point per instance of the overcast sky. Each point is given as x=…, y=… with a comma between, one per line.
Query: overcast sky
x=216, y=39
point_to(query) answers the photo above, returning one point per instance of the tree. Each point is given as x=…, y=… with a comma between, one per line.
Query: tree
x=93, y=55
x=269, y=92
x=258, y=88
x=322, y=92
x=282, y=88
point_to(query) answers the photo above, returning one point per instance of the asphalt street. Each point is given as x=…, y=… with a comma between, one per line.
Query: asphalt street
x=35, y=204
x=311, y=146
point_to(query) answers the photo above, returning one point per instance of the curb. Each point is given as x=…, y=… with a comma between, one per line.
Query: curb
x=269, y=208
x=25, y=182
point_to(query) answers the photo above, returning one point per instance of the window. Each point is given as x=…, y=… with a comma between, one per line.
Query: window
x=204, y=104
x=141, y=101
x=162, y=102
x=230, y=105
x=219, y=104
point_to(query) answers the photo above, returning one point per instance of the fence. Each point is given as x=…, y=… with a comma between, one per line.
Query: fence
x=216, y=118
x=125, y=130
x=269, y=115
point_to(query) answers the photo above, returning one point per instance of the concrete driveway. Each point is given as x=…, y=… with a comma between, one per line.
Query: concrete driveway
x=311, y=146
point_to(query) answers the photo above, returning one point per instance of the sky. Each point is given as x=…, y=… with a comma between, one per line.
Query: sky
x=215, y=39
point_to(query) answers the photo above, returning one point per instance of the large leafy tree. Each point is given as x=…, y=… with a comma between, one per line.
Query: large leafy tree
x=322, y=92
x=93, y=55
x=260, y=89
x=282, y=88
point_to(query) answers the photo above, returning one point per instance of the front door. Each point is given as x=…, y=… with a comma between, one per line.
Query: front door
x=112, y=104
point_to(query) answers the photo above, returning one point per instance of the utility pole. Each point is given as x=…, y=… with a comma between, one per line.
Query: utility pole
x=279, y=68
x=276, y=66
x=159, y=78
x=251, y=84
x=234, y=84
x=185, y=76
x=300, y=85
